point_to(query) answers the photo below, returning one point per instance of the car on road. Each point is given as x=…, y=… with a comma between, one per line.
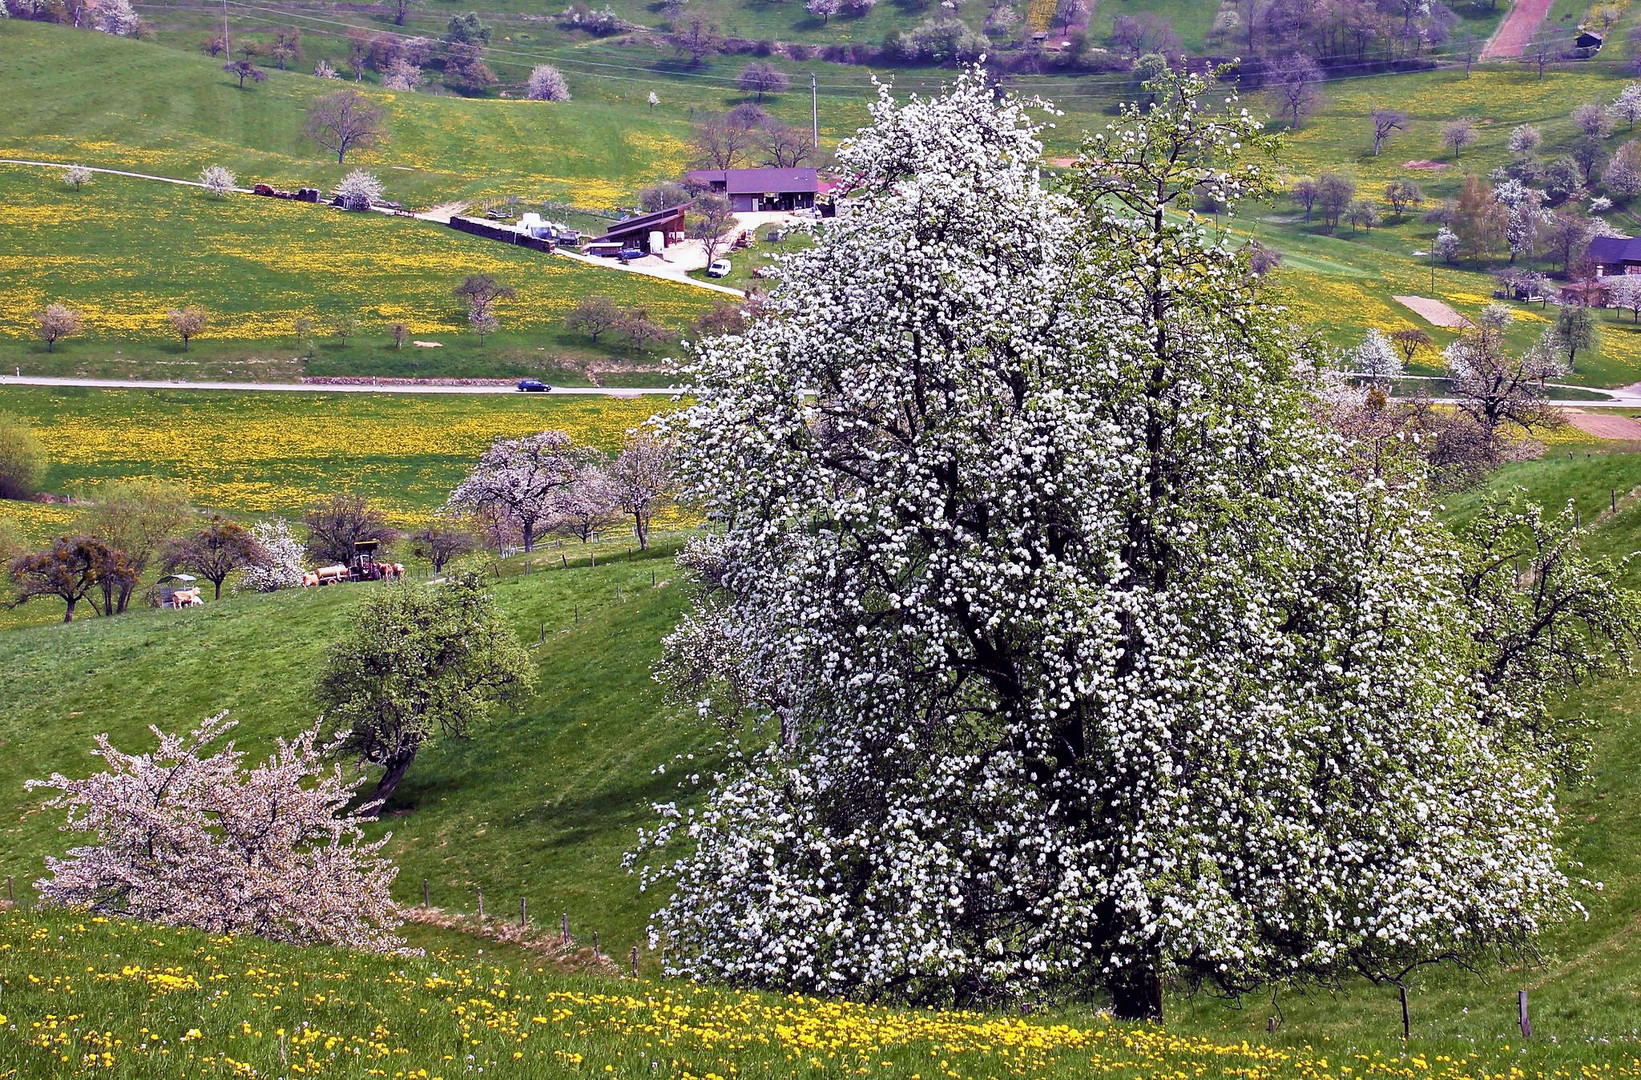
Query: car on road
x=533, y=386
x=719, y=268
x=627, y=255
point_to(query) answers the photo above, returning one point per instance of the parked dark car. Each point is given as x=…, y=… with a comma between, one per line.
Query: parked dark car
x=627, y=255
x=534, y=386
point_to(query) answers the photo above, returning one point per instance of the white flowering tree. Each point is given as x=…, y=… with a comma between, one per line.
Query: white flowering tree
x=280, y=566
x=1375, y=357
x=1057, y=655
x=547, y=83
x=190, y=838
x=217, y=179
x=76, y=177
x=642, y=477
x=518, y=480
x=359, y=190
x=586, y=505
x=117, y=17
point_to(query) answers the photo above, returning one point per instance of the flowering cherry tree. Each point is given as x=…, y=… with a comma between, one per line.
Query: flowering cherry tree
x=188, y=838
x=588, y=504
x=1056, y=652
x=520, y=478
x=640, y=478
x=1375, y=357
x=280, y=565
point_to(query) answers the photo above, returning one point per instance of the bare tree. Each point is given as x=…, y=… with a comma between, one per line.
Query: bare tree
x=784, y=147
x=1499, y=391
x=1409, y=340
x=401, y=8
x=698, y=39
x=641, y=330
x=343, y=121
x=440, y=541
x=336, y=525
x=761, y=77
x=594, y=315
x=720, y=143
x=1296, y=78
x=1458, y=134
x=189, y=322
x=69, y=570
x=481, y=293
x=1401, y=194
x=213, y=552
x=243, y=69
x=56, y=322
x=1386, y=122
x=1306, y=191
x=1541, y=52
x=709, y=221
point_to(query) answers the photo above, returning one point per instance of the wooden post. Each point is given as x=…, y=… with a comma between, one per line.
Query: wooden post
x=577, y=614
x=10, y=896
x=596, y=954
x=634, y=959
x=563, y=560
x=524, y=918
x=1405, y=1025
x=1526, y=1024
x=592, y=557
x=424, y=893
x=652, y=579
x=481, y=902
x=564, y=929
x=1614, y=498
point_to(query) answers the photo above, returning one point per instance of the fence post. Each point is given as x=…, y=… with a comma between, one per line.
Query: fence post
x=596, y=954
x=652, y=579
x=562, y=559
x=564, y=930
x=523, y=918
x=1526, y=1024
x=481, y=902
x=11, y=897
x=424, y=893
x=1614, y=492
x=592, y=557
x=1405, y=1026
x=634, y=959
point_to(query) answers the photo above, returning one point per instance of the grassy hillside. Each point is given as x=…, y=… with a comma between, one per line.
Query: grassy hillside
x=542, y=804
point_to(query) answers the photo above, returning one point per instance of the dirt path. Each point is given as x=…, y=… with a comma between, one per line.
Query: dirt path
x=328, y=388
x=1603, y=425
x=1435, y=312
x=1510, y=39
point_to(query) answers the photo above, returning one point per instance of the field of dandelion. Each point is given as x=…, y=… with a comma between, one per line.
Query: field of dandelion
x=276, y=453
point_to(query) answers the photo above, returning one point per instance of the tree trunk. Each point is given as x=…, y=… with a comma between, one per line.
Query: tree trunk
x=641, y=530
x=395, y=772
x=1136, y=994
x=68, y=616
x=218, y=584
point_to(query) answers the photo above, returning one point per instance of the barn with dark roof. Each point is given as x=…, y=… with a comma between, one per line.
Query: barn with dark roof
x=755, y=190
x=1615, y=255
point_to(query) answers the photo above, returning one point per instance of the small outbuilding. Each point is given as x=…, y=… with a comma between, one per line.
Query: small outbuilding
x=651, y=233
x=1588, y=42
x=1615, y=255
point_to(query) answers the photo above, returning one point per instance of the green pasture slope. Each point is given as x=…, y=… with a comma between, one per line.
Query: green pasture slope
x=542, y=803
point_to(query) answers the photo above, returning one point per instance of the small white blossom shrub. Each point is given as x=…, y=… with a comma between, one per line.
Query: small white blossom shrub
x=187, y=838
x=217, y=179
x=359, y=190
x=547, y=84
x=281, y=565
x=76, y=177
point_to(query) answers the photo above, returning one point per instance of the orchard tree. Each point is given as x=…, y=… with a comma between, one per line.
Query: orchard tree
x=217, y=179
x=641, y=478
x=189, y=838
x=336, y=525
x=69, y=570
x=117, y=17
x=344, y=121
x=57, y=322
x=588, y=504
x=442, y=539
x=720, y=143
x=76, y=177
x=135, y=518
x=594, y=315
x=519, y=478
x=419, y=663
x=1624, y=292
x=22, y=459
x=547, y=84
x=1574, y=331
x=698, y=39
x=1501, y=392
x=1409, y=341
x=188, y=322
x=710, y=220
x=280, y=566
x=1056, y=652
x=243, y=69
x=1402, y=194
x=823, y=9
x=214, y=552
x=481, y=293
x=1386, y=122
x=761, y=77
x=1375, y=358
x=1295, y=78
x=1458, y=134
x=359, y=190
x=1627, y=106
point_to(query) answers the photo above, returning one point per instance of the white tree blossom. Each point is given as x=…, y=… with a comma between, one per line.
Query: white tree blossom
x=1627, y=106
x=1525, y=207
x=360, y=190
x=194, y=839
x=324, y=70
x=547, y=84
x=518, y=479
x=281, y=564
x=654, y=99
x=1446, y=244
x=1525, y=139
x=76, y=177
x=116, y=17
x=642, y=477
x=1376, y=357
x=587, y=504
x=217, y=179
x=1055, y=651
x=402, y=75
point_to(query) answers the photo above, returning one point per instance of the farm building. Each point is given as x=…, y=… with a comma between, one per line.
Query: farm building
x=1615, y=255
x=651, y=232
x=1588, y=43
x=755, y=190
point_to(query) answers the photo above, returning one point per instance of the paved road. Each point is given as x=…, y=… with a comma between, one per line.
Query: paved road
x=324, y=388
x=114, y=172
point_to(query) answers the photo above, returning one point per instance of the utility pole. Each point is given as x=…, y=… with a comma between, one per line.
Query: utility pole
x=814, y=109
x=227, y=42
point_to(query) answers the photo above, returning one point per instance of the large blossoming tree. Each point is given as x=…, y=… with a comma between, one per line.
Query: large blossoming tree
x=520, y=480
x=1057, y=652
